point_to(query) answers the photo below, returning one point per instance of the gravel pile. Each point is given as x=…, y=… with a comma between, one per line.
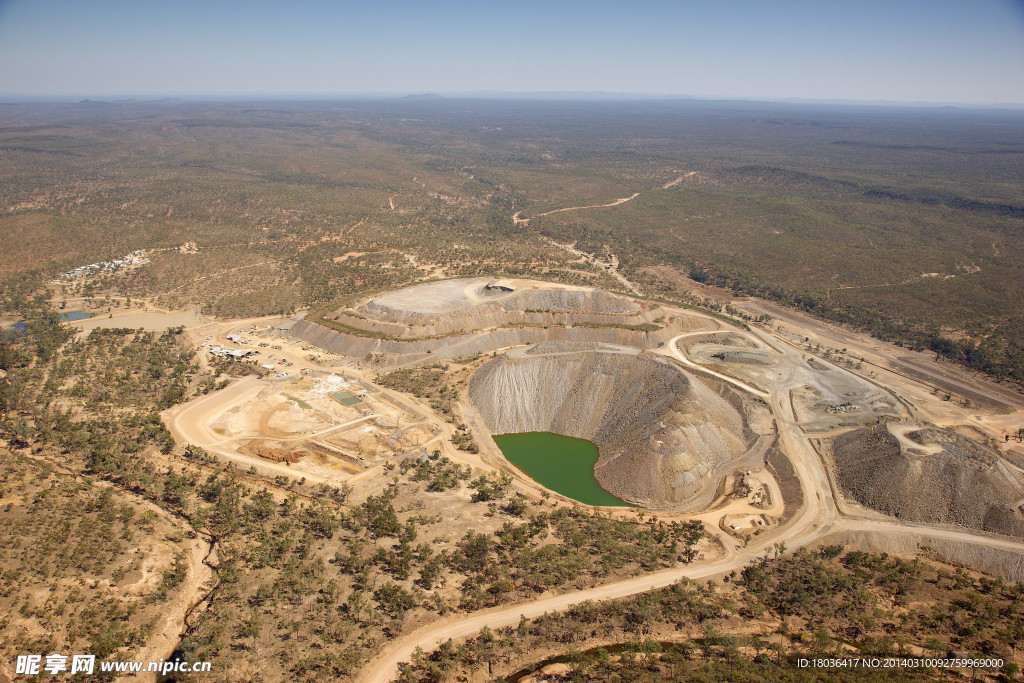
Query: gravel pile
x=965, y=484
x=594, y=301
x=451, y=305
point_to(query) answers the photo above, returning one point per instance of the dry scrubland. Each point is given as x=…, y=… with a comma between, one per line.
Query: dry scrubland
x=901, y=221
x=754, y=627
x=905, y=223
x=87, y=567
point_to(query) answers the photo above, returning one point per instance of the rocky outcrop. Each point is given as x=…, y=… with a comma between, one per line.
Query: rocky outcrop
x=964, y=483
x=664, y=437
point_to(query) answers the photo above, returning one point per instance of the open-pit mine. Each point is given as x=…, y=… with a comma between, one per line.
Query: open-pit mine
x=764, y=433
x=753, y=429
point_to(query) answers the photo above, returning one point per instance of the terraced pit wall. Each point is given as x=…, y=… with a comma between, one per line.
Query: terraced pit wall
x=665, y=438
x=455, y=323
x=400, y=352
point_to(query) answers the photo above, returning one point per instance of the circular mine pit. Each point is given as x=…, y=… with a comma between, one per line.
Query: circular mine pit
x=665, y=438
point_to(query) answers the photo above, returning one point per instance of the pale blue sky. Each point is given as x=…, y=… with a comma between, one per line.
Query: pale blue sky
x=968, y=51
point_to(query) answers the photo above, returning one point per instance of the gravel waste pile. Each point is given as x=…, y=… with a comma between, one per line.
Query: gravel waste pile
x=663, y=436
x=449, y=306
x=965, y=484
x=594, y=301
x=397, y=352
x=789, y=485
x=457, y=318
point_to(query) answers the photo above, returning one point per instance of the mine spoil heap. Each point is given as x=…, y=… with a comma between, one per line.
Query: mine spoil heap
x=452, y=306
x=965, y=483
x=453, y=302
x=445, y=319
x=664, y=437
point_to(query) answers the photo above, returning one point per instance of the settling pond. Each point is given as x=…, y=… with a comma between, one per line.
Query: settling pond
x=560, y=463
x=65, y=316
x=70, y=316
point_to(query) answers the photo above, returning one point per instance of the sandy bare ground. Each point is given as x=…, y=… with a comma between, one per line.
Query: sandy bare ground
x=189, y=424
x=592, y=206
x=593, y=259
x=888, y=355
x=673, y=183
x=518, y=220
x=673, y=348
x=168, y=630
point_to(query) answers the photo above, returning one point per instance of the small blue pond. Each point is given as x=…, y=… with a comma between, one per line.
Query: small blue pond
x=66, y=316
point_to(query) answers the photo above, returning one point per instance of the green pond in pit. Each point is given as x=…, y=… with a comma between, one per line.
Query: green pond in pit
x=560, y=463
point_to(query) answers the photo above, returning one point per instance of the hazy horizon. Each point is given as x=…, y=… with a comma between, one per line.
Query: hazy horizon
x=903, y=52
x=489, y=96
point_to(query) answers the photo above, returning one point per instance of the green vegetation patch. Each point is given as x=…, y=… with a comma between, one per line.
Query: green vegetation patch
x=421, y=382
x=305, y=406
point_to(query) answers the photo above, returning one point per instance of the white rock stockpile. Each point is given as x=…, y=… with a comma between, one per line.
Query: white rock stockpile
x=453, y=305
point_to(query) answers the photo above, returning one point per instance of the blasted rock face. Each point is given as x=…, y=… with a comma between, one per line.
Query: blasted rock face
x=663, y=436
